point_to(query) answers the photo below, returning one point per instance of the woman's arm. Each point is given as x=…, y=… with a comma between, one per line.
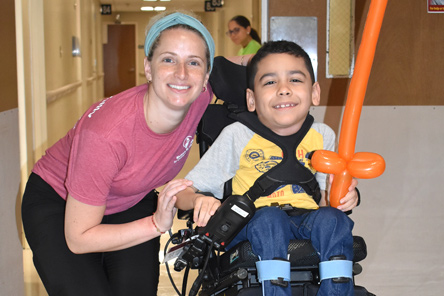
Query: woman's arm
x=84, y=232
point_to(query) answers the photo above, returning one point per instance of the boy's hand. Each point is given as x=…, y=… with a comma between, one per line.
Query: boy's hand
x=350, y=200
x=204, y=208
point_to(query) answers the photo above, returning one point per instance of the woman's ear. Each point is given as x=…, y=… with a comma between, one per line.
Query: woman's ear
x=251, y=103
x=147, y=66
x=316, y=94
x=207, y=76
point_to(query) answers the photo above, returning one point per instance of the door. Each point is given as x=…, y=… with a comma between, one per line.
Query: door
x=119, y=59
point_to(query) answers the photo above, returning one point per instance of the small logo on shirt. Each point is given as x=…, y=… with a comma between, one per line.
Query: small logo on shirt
x=187, y=143
x=98, y=107
x=265, y=166
x=254, y=155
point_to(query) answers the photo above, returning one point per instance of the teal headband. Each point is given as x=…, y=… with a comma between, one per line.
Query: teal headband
x=175, y=19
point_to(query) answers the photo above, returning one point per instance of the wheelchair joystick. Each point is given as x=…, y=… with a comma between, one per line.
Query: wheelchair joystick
x=225, y=224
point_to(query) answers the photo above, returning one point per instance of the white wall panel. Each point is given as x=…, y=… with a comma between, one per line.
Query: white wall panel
x=11, y=255
x=401, y=213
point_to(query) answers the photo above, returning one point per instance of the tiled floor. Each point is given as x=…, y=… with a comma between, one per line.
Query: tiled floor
x=34, y=287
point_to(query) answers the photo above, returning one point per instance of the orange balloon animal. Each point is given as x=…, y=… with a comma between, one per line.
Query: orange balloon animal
x=346, y=164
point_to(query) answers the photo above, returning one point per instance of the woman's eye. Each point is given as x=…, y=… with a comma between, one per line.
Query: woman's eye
x=168, y=60
x=194, y=63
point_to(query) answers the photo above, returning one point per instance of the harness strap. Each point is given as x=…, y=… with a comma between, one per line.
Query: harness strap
x=289, y=170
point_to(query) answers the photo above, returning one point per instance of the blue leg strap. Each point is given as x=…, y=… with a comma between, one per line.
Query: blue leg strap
x=336, y=269
x=273, y=270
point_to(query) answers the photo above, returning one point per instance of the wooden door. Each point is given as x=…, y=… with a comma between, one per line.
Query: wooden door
x=119, y=59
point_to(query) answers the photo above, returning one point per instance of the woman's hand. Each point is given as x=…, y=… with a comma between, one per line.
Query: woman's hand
x=166, y=210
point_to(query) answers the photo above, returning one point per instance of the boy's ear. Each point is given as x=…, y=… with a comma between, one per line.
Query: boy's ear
x=316, y=94
x=147, y=66
x=251, y=103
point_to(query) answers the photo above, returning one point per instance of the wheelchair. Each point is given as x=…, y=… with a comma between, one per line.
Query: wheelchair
x=234, y=272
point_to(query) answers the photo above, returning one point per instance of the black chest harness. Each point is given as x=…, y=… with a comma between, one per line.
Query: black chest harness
x=289, y=170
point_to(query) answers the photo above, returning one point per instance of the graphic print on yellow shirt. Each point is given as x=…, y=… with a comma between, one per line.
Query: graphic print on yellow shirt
x=260, y=155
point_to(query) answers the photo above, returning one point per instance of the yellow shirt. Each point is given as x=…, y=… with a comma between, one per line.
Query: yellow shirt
x=260, y=155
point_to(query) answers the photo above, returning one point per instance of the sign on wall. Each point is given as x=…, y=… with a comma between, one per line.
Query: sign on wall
x=435, y=6
x=105, y=9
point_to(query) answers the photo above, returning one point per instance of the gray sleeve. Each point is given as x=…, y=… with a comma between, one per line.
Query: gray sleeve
x=329, y=144
x=220, y=163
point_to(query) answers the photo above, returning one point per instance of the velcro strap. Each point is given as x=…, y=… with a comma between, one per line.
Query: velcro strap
x=273, y=270
x=336, y=269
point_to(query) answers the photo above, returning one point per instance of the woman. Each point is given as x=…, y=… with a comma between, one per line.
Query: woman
x=241, y=33
x=90, y=211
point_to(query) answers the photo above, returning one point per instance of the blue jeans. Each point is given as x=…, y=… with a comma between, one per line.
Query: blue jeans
x=271, y=229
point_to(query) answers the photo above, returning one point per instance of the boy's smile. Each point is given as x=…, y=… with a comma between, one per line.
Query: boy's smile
x=283, y=93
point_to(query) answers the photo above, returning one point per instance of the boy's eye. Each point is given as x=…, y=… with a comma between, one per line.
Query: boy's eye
x=269, y=82
x=295, y=80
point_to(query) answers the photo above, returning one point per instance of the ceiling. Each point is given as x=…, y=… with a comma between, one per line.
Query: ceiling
x=134, y=5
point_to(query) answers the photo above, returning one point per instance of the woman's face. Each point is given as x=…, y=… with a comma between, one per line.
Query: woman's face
x=238, y=34
x=178, y=68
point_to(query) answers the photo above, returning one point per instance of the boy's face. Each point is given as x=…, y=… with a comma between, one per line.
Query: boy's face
x=283, y=93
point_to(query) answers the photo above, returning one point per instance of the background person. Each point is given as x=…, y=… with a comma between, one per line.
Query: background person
x=241, y=33
x=90, y=211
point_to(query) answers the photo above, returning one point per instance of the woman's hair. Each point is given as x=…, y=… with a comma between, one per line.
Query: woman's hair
x=155, y=43
x=244, y=22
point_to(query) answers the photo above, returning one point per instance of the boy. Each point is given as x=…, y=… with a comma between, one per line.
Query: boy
x=281, y=89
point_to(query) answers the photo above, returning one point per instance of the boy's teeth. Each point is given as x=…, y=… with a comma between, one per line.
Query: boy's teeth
x=178, y=86
x=283, y=106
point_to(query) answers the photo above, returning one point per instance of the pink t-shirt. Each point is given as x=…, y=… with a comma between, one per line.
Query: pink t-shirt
x=111, y=157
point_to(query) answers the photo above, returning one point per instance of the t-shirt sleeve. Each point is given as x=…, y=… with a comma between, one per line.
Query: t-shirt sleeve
x=219, y=164
x=92, y=166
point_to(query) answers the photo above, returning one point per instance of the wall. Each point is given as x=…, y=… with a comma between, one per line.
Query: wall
x=216, y=23
x=73, y=83
x=408, y=54
x=11, y=260
x=400, y=216
x=53, y=87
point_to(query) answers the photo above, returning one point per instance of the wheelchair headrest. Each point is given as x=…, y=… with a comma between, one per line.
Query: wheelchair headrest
x=229, y=81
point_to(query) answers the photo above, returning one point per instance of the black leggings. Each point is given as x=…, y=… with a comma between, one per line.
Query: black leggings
x=133, y=271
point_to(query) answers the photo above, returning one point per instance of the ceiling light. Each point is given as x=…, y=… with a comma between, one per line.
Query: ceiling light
x=159, y=8
x=147, y=8
x=150, y=0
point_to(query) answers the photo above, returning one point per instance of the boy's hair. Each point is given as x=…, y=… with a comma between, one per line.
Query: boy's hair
x=275, y=47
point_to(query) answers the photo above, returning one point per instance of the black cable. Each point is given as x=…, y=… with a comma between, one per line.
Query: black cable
x=196, y=285
x=185, y=280
x=167, y=267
